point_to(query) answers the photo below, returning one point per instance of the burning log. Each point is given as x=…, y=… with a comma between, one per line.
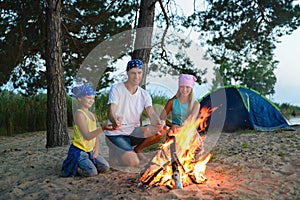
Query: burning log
x=176, y=163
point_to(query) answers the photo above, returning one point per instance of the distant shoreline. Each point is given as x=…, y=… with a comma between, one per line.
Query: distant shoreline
x=294, y=120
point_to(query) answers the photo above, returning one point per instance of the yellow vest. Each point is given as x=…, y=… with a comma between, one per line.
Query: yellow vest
x=79, y=141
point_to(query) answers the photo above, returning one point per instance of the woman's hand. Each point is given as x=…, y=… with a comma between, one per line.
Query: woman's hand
x=175, y=128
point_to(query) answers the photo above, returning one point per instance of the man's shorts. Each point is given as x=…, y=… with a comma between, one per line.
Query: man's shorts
x=123, y=143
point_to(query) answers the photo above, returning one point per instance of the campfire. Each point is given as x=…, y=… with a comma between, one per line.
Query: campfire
x=205, y=113
x=178, y=162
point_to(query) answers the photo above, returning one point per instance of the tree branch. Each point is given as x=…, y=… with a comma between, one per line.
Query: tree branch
x=67, y=31
x=263, y=16
x=163, y=53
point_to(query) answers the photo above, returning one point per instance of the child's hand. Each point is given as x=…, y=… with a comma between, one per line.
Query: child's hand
x=108, y=127
x=95, y=153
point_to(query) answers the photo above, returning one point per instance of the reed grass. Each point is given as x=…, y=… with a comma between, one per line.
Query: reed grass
x=101, y=107
x=20, y=114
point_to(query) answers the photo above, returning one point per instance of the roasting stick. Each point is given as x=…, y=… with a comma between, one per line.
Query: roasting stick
x=109, y=127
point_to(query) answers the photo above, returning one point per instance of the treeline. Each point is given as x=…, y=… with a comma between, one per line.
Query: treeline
x=20, y=114
x=289, y=110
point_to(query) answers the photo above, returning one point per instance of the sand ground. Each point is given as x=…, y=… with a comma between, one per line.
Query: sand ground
x=260, y=165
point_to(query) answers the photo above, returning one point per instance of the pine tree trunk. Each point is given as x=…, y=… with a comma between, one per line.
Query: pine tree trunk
x=143, y=40
x=57, y=134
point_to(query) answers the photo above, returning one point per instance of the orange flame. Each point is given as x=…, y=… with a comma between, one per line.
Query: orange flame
x=205, y=113
x=188, y=144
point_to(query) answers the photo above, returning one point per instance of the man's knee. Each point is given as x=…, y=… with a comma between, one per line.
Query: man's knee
x=159, y=136
x=130, y=158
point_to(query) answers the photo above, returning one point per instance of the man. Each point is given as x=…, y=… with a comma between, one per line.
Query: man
x=126, y=103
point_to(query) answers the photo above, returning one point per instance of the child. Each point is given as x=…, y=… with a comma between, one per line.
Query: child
x=83, y=156
x=183, y=104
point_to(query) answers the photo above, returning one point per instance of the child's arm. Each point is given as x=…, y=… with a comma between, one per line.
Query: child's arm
x=96, y=149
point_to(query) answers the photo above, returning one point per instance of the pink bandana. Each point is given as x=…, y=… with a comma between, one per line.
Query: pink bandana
x=187, y=80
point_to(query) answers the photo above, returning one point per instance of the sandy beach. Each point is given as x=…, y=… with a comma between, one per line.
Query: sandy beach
x=260, y=165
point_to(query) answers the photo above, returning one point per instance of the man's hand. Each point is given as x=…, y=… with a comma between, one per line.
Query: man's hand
x=116, y=123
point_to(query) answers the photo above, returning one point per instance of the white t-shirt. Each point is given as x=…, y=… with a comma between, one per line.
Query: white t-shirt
x=129, y=107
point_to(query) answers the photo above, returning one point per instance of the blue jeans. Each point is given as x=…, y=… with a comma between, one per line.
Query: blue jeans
x=125, y=142
x=91, y=167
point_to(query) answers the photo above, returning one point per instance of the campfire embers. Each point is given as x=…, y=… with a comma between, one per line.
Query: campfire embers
x=177, y=162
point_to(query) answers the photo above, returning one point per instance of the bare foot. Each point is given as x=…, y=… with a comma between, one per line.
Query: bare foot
x=79, y=171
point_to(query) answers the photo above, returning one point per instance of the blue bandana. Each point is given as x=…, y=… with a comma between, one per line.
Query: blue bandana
x=82, y=91
x=134, y=64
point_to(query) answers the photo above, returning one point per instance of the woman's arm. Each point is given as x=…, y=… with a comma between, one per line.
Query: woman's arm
x=195, y=109
x=167, y=109
x=165, y=112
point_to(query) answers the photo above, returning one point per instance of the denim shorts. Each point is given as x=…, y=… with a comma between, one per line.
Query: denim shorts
x=125, y=142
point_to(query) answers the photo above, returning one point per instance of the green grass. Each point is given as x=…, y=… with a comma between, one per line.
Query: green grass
x=245, y=145
x=289, y=136
x=245, y=131
x=281, y=154
x=20, y=114
x=154, y=147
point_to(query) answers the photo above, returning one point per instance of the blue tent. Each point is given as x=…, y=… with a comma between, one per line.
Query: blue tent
x=240, y=107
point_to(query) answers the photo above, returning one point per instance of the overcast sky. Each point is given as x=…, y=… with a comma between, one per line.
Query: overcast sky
x=287, y=88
